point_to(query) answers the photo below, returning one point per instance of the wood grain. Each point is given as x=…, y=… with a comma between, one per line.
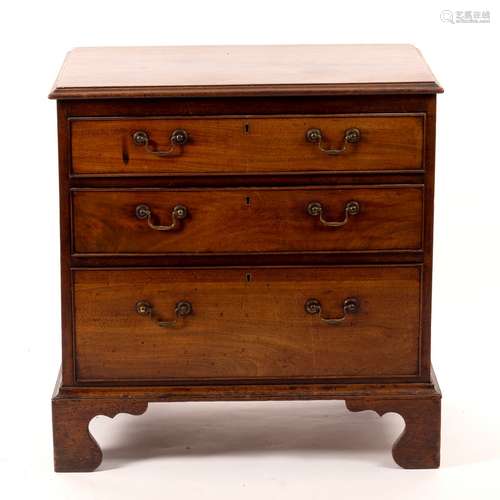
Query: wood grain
x=263, y=390
x=226, y=70
x=247, y=324
x=243, y=105
x=248, y=220
x=248, y=165
x=418, y=447
x=247, y=145
x=75, y=449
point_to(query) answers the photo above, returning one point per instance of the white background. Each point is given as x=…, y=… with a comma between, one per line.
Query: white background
x=301, y=450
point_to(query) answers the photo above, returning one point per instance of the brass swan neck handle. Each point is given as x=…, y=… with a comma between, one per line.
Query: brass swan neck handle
x=351, y=136
x=182, y=309
x=315, y=209
x=350, y=306
x=179, y=212
x=178, y=138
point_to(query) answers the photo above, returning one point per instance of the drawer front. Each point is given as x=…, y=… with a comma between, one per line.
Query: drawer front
x=247, y=324
x=247, y=220
x=219, y=145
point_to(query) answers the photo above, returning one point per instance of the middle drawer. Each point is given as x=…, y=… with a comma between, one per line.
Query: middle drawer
x=161, y=221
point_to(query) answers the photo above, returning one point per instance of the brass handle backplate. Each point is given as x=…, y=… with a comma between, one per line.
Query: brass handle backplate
x=315, y=209
x=351, y=136
x=179, y=212
x=178, y=138
x=350, y=306
x=182, y=309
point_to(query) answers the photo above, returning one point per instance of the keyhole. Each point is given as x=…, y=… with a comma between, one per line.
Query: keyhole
x=247, y=128
x=248, y=277
x=247, y=200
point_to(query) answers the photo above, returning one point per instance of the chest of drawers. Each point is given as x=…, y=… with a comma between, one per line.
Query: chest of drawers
x=246, y=223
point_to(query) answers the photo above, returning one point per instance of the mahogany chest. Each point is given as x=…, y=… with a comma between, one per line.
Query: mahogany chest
x=246, y=223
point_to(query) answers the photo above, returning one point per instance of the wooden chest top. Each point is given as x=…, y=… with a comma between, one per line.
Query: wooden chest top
x=109, y=72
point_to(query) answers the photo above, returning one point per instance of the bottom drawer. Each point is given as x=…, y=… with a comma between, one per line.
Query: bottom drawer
x=234, y=324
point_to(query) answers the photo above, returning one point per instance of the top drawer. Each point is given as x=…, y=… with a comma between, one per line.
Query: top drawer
x=246, y=144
